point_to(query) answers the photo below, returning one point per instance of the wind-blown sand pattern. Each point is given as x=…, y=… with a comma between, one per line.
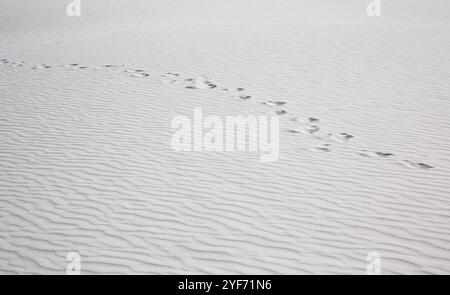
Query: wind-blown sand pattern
x=86, y=163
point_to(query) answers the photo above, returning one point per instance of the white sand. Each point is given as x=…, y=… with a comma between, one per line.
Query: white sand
x=86, y=163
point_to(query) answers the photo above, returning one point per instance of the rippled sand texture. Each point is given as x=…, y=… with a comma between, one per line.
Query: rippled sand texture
x=86, y=163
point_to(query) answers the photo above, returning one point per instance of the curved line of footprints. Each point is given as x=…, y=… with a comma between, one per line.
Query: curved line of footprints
x=136, y=73
x=309, y=126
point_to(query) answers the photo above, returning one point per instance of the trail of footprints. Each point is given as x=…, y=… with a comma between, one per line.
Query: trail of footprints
x=307, y=126
x=136, y=73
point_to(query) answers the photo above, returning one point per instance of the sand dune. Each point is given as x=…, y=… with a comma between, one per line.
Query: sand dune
x=86, y=164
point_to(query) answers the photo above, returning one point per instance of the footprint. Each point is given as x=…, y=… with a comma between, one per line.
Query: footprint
x=243, y=97
x=384, y=155
x=293, y=131
x=112, y=67
x=410, y=164
x=211, y=85
x=323, y=148
x=70, y=66
x=203, y=83
x=17, y=64
x=304, y=120
x=307, y=130
x=423, y=166
x=133, y=71
x=280, y=112
x=166, y=81
x=139, y=75
x=271, y=103
x=313, y=129
x=310, y=129
x=169, y=78
x=40, y=67
x=340, y=137
x=370, y=154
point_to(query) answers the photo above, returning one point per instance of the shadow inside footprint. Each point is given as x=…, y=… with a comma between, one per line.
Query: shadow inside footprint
x=40, y=67
x=211, y=85
x=139, y=75
x=410, y=164
x=274, y=103
x=424, y=166
x=384, y=155
x=366, y=153
x=323, y=148
x=340, y=136
x=292, y=131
